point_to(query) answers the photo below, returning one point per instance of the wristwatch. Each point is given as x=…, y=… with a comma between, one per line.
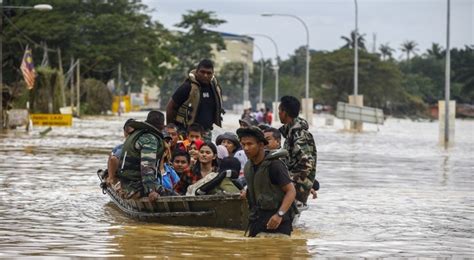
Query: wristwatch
x=280, y=213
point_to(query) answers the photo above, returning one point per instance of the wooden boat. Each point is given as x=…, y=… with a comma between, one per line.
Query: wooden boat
x=222, y=211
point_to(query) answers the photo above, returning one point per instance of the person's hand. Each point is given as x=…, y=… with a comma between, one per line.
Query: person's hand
x=243, y=194
x=274, y=222
x=152, y=196
x=315, y=194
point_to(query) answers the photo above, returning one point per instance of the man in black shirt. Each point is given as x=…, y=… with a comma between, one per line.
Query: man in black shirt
x=270, y=192
x=197, y=100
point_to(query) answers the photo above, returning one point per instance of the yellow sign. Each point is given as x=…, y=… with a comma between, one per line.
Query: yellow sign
x=51, y=119
x=122, y=103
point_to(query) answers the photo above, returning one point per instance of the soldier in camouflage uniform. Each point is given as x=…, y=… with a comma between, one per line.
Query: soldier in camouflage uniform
x=140, y=157
x=299, y=142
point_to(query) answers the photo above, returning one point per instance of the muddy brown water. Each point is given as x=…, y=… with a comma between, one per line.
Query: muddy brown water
x=391, y=191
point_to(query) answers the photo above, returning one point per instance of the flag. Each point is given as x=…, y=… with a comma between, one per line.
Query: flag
x=28, y=69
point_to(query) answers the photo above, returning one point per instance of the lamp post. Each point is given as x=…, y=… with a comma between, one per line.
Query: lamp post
x=40, y=7
x=307, y=102
x=447, y=85
x=356, y=51
x=356, y=99
x=261, y=75
x=276, y=67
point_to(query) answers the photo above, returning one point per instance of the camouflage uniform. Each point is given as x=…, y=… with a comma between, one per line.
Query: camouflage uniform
x=139, y=174
x=302, y=156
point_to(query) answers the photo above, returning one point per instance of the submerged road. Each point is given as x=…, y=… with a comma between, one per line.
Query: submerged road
x=388, y=192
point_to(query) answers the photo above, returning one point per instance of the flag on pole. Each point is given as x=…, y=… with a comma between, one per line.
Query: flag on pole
x=28, y=69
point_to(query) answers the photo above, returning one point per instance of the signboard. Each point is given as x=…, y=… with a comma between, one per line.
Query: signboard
x=17, y=117
x=359, y=114
x=51, y=119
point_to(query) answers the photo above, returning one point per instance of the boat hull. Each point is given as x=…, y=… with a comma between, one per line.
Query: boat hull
x=222, y=211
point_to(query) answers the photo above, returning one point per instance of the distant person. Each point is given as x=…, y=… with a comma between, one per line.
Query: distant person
x=197, y=100
x=299, y=142
x=259, y=116
x=268, y=116
x=139, y=158
x=270, y=192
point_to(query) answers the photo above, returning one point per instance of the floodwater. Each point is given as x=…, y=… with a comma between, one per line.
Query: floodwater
x=391, y=191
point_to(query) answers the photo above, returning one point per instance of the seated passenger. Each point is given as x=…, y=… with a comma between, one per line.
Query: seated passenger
x=221, y=182
x=180, y=162
x=194, y=151
x=207, y=161
x=230, y=141
x=169, y=178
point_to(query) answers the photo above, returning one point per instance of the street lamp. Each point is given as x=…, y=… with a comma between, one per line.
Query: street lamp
x=356, y=51
x=277, y=58
x=40, y=7
x=261, y=73
x=307, y=103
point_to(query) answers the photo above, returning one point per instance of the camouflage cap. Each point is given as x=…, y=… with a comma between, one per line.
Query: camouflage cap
x=252, y=131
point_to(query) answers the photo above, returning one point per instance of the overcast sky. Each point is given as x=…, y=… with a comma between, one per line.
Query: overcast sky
x=392, y=21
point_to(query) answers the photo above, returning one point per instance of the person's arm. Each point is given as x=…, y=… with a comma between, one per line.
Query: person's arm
x=279, y=176
x=290, y=194
x=171, y=111
x=178, y=98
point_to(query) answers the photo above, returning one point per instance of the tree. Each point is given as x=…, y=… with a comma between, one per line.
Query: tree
x=100, y=33
x=462, y=64
x=379, y=81
x=350, y=41
x=190, y=47
x=409, y=47
x=231, y=79
x=435, y=51
x=386, y=51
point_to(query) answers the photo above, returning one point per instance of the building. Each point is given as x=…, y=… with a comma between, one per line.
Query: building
x=239, y=48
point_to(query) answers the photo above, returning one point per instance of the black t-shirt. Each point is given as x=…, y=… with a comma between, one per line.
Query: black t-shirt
x=278, y=173
x=207, y=107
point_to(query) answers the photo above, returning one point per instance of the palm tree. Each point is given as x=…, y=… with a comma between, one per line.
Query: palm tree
x=386, y=51
x=409, y=47
x=350, y=41
x=436, y=51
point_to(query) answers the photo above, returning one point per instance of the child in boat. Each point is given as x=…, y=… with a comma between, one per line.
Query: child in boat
x=181, y=162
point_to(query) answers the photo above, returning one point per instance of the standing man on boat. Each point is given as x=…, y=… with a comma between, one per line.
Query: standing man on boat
x=299, y=142
x=140, y=158
x=270, y=192
x=197, y=100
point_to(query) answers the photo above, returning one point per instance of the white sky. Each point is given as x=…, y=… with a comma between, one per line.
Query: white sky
x=393, y=21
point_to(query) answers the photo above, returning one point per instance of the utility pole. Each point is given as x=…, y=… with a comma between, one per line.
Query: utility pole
x=119, y=87
x=78, y=82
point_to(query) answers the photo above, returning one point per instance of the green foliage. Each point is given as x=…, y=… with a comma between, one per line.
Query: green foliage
x=44, y=97
x=350, y=41
x=379, y=81
x=190, y=47
x=100, y=33
x=231, y=79
x=96, y=98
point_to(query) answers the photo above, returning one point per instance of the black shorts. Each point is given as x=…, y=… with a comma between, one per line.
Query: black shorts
x=260, y=224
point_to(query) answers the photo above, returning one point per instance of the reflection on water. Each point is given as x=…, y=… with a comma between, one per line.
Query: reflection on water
x=385, y=193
